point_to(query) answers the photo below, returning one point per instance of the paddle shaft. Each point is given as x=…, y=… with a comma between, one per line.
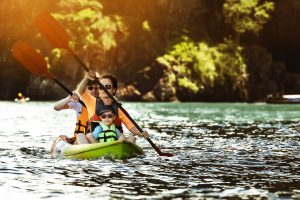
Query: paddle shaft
x=78, y=59
x=116, y=102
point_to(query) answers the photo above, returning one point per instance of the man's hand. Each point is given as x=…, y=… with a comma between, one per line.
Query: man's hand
x=74, y=97
x=63, y=137
x=91, y=75
x=145, y=134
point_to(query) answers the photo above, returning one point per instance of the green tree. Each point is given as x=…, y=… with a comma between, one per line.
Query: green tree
x=93, y=35
x=232, y=67
x=247, y=15
x=190, y=65
x=196, y=66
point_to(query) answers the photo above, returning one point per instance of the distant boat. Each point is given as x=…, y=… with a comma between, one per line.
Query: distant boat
x=285, y=99
x=21, y=98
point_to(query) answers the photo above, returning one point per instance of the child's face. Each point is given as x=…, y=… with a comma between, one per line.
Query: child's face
x=107, y=118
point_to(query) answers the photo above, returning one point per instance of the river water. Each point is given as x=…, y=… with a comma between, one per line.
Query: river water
x=222, y=151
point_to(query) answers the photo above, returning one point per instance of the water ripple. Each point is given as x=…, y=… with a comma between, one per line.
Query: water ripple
x=222, y=151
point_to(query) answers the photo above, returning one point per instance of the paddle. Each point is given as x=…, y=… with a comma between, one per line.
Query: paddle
x=35, y=62
x=57, y=35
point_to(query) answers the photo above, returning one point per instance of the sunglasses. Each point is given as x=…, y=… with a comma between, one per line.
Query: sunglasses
x=91, y=87
x=103, y=116
x=107, y=87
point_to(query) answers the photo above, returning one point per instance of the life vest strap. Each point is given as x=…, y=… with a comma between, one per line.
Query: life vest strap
x=106, y=137
x=106, y=131
x=78, y=128
x=93, y=125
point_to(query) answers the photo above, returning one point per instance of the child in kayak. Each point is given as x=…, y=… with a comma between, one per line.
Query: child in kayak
x=106, y=130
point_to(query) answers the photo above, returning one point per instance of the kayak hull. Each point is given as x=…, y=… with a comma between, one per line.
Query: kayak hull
x=119, y=149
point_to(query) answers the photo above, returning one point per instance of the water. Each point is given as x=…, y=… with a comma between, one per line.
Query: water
x=222, y=151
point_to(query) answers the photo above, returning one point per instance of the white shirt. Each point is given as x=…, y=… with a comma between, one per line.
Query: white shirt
x=76, y=106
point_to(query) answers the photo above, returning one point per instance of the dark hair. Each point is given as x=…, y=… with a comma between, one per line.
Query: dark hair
x=113, y=80
x=92, y=82
x=103, y=109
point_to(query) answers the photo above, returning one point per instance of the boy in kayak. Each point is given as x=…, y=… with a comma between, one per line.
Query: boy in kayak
x=106, y=130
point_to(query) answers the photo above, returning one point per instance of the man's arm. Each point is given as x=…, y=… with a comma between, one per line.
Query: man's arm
x=81, y=86
x=91, y=75
x=62, y=104
x=130, y=126
x=135, y=131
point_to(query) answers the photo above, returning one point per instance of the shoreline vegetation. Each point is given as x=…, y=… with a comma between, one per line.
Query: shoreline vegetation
x=187, y=51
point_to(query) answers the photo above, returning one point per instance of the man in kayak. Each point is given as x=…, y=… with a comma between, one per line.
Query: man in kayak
x=94, y=105
x=106, y=130
x=71, y=102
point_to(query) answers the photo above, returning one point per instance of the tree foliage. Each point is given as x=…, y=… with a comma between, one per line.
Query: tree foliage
x=247, y=15
x=93, y=34
x=259, y=67
x=197, y=66
x=191, y=63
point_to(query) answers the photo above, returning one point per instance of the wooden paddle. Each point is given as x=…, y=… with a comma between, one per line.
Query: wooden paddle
x=57, y=35
x=35, y=62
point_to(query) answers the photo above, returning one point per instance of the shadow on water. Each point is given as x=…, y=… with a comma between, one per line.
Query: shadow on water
x=33, y=151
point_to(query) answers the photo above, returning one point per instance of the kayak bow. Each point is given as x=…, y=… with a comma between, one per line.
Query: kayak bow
x=119, y=149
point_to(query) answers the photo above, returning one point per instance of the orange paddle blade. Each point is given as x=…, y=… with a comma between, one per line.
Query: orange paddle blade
x=29, y=58
x=52, y=30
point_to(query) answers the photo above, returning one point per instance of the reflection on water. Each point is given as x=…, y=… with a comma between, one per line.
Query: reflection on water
x=222, y=151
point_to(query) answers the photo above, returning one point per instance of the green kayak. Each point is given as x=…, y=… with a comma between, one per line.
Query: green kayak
x=112, y=150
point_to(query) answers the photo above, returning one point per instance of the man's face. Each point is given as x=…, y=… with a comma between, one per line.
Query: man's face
x=93, y=90
x=108, y=84
x=107, y=118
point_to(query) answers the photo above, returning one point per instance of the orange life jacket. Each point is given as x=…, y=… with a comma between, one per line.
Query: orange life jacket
x=82, y=122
